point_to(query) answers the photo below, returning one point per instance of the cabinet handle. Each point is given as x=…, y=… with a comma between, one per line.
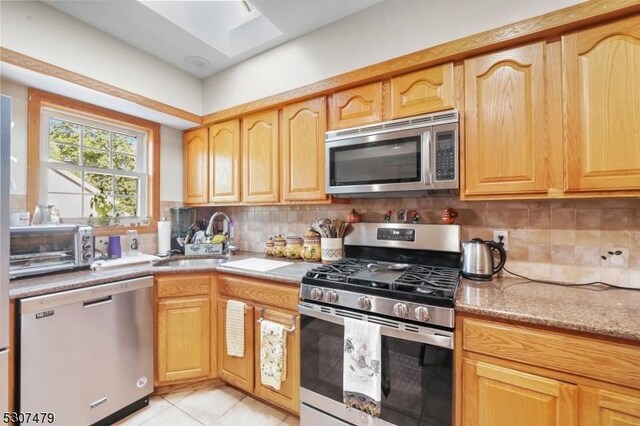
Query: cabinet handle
x=288, y=330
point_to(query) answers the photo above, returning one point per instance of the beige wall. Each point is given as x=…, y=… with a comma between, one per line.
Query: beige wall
x=35, y=29
x=384, y=31
x=560, y=239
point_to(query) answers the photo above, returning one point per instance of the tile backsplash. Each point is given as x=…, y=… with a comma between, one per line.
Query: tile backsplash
x=567, y=240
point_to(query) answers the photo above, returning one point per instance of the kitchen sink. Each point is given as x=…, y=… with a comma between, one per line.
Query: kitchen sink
x=205, y=261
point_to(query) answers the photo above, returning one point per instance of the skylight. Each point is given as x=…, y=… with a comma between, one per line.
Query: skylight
x=228, y=26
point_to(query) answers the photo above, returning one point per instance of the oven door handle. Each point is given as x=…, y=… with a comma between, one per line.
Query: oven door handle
x=424, y=335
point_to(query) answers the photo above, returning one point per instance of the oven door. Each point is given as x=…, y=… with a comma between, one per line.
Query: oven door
x=417, y=371
x=386, y=162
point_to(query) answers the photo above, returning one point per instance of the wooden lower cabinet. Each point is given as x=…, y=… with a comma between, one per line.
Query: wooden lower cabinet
x=289, y=394
x=599, y=407
x=237, y=371
x=515, y=374
x=494, y=396
x=185, y=332
x=274, y=302
x=183, y=339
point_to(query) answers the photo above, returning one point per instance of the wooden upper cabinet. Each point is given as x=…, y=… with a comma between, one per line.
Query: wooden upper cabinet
x=506, y=139
x=602, y=107
x=195, y=147
x=495, y=395
x=303, y=131
x=356, y=106
x=224, y=162
x=422, y=91
x=260, y=181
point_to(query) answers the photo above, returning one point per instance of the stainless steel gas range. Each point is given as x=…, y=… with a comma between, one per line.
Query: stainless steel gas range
x=402, y=277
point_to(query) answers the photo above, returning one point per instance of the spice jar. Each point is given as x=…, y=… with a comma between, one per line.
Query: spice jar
x=279, y=246
x=268, y=247
x=311, y=247
x=294, y=245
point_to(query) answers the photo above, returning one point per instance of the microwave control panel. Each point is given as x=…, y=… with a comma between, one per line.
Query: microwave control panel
x=445, y=156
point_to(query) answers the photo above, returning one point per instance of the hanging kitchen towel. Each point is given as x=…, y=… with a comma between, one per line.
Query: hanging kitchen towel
x=273, y=354
x=361, y=380
x=234, y=332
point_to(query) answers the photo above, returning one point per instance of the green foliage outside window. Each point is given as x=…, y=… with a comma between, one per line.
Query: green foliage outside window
x=86, y=146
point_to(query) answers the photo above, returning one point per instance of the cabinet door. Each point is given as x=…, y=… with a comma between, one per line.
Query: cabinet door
x=224, y=162
x=303, y=130
x=506, y=145
x=600, y=407
x=195, y=166
x=183, y=339
x=602, y=107
x=260, y=157
x=237, y=371
x=356, y=106
x=289, y=394
x=498, y=396
x=422, y=91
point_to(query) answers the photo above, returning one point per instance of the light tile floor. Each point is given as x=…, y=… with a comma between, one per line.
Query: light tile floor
x=221, y=406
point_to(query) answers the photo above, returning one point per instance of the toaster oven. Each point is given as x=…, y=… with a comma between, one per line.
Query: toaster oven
x=40, y=249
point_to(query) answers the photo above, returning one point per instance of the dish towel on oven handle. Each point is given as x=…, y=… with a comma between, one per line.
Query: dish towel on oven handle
x=273, y=354
x=361, y=380
x=234, y=330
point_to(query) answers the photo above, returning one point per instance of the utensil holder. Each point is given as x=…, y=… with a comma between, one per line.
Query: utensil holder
x=332, y=249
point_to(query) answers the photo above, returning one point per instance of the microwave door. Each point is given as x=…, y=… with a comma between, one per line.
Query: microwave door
x=377, y=163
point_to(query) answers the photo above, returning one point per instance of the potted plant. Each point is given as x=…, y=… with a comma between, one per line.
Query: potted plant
x=103, y=208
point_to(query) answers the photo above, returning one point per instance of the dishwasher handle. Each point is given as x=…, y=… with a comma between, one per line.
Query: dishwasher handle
x=97, y=302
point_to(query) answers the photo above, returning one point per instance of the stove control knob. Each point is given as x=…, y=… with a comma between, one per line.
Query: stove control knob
x=364, y=303
x=332, y=296
x=422, y=313
x=86, y=237
x=316, y=293
x=86, y=256
x=400, y=310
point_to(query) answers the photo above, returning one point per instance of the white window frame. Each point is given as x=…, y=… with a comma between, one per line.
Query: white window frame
x=142, y=165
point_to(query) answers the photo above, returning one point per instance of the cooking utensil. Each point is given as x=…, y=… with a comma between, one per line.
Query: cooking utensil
x=398, y=266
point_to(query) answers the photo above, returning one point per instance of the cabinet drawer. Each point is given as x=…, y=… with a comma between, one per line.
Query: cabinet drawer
x=608, y=361
x=263, y=292
x=182, y=285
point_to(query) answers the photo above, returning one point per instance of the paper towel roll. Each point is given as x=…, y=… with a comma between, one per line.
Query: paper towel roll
x=164, y=236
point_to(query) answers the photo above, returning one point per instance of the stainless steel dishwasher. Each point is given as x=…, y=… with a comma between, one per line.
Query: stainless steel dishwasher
x=86, y=355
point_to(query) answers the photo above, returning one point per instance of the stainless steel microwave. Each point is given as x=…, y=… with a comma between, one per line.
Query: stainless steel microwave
x=40, y=249
x=407, y=157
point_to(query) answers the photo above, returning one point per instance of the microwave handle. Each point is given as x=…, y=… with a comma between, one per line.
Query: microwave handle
x=426, y=157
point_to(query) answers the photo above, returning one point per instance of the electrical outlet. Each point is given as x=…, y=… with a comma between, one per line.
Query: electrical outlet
x=502, y=236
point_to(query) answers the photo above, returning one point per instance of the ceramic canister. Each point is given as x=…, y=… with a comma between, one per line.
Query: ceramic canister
x=311, y=249
x=293, y=248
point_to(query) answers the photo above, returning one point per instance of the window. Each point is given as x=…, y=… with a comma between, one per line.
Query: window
x=84, y=150
x=83, y=157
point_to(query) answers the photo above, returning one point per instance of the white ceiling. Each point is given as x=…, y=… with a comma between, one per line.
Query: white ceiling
x=205, y=37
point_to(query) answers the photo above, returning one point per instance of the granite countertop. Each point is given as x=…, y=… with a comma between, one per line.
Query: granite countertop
x=600, y=310
x=51, y=283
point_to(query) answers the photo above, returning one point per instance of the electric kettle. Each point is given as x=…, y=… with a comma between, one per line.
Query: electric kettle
x=477, y=259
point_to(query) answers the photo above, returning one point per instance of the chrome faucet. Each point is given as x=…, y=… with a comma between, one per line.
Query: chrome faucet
x=209, y=231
